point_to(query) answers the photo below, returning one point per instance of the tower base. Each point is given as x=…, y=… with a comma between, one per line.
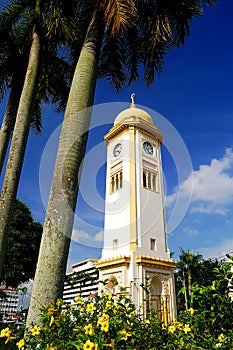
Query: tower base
x=148, y=281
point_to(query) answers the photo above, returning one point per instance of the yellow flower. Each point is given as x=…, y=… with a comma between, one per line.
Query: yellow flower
x=90, y=346
x=108, y=304
x=51, y=347
x=125, y=335
x=90, y=308
x=102, y=319
x=147, y=321
x=20, y=343
x=78, y=300
x=51, y=321
x=177, y=324
x=221, y=338
x=9, y=339
x=171, y=329
x=112, y=345
x=108, y=295
x=5, y=332
x=186, y=328
x=89, y=329
x=105, y=326
x=59, y=302
x=191, y=311
x=35, y=330
x=51, y=310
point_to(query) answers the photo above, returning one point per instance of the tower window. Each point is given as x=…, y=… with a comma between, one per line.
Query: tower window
x=153, y=244
x=150, y=180
x=115, y=241
x=116, y=181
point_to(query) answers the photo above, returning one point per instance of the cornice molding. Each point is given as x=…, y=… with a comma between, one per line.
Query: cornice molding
x=138, y=123
x=144, y=260
x=113, y=262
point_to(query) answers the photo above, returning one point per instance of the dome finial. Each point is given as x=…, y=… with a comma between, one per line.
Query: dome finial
x=132, y=98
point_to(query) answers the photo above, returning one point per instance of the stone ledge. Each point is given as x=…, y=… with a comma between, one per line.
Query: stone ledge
x=155, y=262
x=113, y=262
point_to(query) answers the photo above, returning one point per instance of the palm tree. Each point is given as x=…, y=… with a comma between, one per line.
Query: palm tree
x=192, y=268
x=36, y=89
x=22, y=125
x=14, y=52
x=13, y=56
x=120, y=36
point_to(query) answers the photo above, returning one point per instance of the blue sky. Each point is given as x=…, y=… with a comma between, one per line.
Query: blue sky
x=192, y=103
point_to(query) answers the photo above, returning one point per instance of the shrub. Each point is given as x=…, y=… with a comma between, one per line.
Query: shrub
x=111, y=322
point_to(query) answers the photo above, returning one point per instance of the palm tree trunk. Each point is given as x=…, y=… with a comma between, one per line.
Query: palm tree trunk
x=54, y=249
x=9, y=117
x=18, y=145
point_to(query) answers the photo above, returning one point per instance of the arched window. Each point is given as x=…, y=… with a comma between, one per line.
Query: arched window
x=150, y=180
x=116, y=181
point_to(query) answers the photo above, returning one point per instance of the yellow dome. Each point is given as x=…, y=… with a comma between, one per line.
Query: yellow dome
x=133, y=112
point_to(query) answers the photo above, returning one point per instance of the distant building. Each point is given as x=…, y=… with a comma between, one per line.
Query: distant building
x=9, y=305
x=82, y=281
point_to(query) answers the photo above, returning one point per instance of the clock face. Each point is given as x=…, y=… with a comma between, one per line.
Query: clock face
x=117, y=150
x=148, y=148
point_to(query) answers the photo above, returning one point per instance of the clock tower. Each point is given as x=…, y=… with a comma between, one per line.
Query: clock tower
x=135, y=249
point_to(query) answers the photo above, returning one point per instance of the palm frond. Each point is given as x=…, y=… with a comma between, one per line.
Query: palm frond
x=36, y=122
x=118, y=14
x=111, y=66
x=61, y=20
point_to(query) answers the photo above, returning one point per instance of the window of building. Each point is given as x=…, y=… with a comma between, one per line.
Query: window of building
x=153, y=244
x=150, y=180
x=116, y=181
x=115, y=241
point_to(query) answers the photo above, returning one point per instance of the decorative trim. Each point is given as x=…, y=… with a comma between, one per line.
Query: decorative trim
x=155, y=262
x=113, y=262
x=138, y=123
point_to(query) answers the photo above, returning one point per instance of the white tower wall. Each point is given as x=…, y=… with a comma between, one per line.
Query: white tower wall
x=135, y=247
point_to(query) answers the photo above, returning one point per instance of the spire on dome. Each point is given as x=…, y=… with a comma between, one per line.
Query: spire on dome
x=132, y=98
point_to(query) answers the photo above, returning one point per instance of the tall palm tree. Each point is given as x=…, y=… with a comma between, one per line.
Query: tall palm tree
x=22, y=125
x=14, y=52
x=12, y=56
x=188, y=265
x=120, y=36
x=35, y=89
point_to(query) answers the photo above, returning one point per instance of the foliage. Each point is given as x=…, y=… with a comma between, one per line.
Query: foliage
x=192, y=268
x=23, y=247
x=214, y=302
x=112, y=322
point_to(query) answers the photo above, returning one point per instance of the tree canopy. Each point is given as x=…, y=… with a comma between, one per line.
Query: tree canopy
x=23, y=247
x=192, y=268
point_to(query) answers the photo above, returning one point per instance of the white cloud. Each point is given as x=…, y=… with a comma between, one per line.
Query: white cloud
x=84, y=237
x=212, y=186
x=190, y=231
x=99, y=237
x=219, y=251
x=209, y=209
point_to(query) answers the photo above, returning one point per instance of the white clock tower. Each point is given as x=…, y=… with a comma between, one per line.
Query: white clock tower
x=135, y=247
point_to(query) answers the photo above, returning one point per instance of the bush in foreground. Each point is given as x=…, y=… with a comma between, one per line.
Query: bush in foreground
x=105, y=323
x=110, y=322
